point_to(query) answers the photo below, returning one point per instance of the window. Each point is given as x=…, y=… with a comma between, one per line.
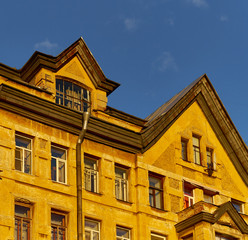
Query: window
x=23, y=219
x=219, y=236
x=23, y=154
x=121, y=183
x=184, y=145
x=155, y=191
x=157, y=237
x=209, y=158
x=188, y=196
x=237, y=205
x=58, y=226
x=91, y=174
x=122, y=233
x=196, y=149
x=58, y=164
x=72, y=96
x=92, y=229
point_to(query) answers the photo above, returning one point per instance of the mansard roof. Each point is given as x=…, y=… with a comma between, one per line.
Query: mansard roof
x=40, y=60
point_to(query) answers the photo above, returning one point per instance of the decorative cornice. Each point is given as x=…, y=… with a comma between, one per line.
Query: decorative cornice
x=57, y=116
x=214, y=217
x=40, y=60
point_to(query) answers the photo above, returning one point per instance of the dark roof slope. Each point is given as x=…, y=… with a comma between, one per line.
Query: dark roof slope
x=40, y=60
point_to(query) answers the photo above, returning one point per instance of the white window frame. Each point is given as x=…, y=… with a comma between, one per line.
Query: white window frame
x=186, y=196
x=122, y=194
x=57, y=164
x=123, y=238
x=90, y=173
x=23, y=150
x=91, y=231
x=158, y=235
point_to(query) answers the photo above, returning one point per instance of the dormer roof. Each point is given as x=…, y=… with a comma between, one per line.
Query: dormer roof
x=41, y=60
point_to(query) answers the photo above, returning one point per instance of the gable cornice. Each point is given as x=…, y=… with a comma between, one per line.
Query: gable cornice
x=78, y=49
x=205, y=95
x=214, y=218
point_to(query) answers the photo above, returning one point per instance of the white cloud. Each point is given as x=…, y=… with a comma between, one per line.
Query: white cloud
x=223, y=18
x=45, y=45
x=165, y=62
x=131, y=24
x=199, y=3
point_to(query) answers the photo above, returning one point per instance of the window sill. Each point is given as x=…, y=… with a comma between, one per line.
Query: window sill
x=123, y=201
x=65, y=184
x=96, y=193
x=158, y=209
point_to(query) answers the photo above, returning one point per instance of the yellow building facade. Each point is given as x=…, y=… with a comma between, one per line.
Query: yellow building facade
x=181, y=173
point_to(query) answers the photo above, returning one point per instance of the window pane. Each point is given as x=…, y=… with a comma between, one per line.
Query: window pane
x=87, y=235
x=17, y=229
x=196, y=141
x=89, y=224
x=58, y=153
x=23, y=142
x=61, y=171
x=57, y=219
x=120, y=173
x=18, y=159
x=154, y=182
x=157, y=237
x=121, y=232
x=27, y=161
x=53, y=169
x=158, y=199
x=22, y=211
x=90, y=163
x=95, y=236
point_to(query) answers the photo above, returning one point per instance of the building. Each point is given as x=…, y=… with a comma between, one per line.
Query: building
x=181, y=173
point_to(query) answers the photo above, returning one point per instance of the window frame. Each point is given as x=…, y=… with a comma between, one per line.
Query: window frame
x=92, y=230
x=184, y=149
x=19, y=220
x=154, y=189
x=158, y=235
x=123, y=184
x=125, y=229
x=92, y=173
x=238, y=203
x=196, y=149
x=58, y=160
x=23, y=150
x=187, y=198
x=71, y=97
x=58, y=227
x=210, y=158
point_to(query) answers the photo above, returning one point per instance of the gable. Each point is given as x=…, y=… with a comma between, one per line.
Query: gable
x=166, y=153
x=202, y=92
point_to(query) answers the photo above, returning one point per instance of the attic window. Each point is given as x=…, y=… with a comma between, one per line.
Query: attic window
x=72, y=96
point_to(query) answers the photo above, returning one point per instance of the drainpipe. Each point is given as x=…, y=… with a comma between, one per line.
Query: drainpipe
x=80, y=140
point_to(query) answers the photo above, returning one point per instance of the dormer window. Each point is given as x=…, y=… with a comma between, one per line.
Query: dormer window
x=72, y=95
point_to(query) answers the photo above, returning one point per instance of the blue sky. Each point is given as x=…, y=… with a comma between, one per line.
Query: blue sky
x=153, y=48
